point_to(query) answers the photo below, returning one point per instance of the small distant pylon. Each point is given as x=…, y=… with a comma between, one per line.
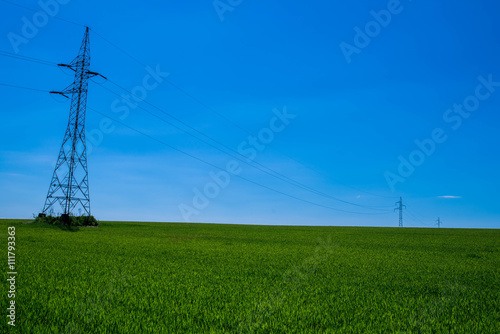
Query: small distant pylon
x=70, y=185
x=439, y=222
x=400, y=206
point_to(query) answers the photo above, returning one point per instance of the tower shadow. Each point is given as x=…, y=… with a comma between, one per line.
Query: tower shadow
x=67, y=228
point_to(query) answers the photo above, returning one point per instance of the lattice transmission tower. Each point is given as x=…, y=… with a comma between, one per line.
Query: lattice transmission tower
x=399, y=207
x=69, y=186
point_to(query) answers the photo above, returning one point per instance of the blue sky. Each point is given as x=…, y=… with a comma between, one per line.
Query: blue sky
x=362, y=81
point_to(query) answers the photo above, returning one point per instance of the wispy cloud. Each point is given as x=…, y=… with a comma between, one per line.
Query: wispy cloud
x=450, y=197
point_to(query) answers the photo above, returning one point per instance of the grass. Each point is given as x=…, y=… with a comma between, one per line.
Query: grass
x=200, y=278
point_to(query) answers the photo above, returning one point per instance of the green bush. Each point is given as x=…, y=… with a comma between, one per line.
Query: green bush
x=73, y=220
x=85, y=221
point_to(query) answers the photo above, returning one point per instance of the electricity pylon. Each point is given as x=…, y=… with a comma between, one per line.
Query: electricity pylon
x=400, y=207
x=70, y=184
x=438, y=222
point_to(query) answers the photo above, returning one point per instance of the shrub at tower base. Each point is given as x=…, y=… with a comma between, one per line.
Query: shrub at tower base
x=69, y=220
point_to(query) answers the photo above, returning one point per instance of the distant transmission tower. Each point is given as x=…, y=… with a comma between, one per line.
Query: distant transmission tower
x=400, y=207
x=70, y=185
x=439, y=222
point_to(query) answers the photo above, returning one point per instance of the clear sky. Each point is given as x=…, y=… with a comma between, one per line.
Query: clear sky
x=362, y=101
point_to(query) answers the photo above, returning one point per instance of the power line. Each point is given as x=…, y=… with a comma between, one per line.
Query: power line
x=20, y=57
x=417, y=216
x=234, y=154
x=415, y=219
x=27, y=88
x=229, y=120
x=220, y=168
x=120, y=49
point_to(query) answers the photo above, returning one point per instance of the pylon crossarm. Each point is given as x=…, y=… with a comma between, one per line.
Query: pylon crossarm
x=60, y=93
x=66, y=65
x=94, y=74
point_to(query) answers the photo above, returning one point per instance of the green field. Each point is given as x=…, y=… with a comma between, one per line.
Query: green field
x=202, y=278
